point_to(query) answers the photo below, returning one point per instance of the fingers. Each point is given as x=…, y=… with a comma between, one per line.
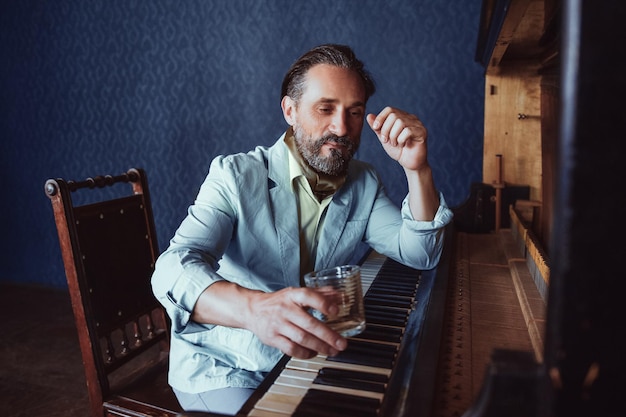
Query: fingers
x=309, y=331
x=397, y=127
x=281, y=320
x=306, y=336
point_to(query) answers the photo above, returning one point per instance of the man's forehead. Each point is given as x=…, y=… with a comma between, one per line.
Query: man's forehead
x=330, y=83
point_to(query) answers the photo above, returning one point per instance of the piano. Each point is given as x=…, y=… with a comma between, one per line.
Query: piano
x=387, y=370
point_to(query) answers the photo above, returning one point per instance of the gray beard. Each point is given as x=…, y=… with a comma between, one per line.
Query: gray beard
x=334, y=164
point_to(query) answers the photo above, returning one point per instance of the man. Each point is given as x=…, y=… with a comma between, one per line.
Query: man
x=231, y=277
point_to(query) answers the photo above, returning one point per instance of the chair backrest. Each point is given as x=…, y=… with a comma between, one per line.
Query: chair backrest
x=109, y=249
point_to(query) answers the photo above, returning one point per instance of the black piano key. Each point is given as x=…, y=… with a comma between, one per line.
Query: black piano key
x=379, y=317
x=366, y=353
x=357, y=384
x=404, y=289
x=382, y=315
x=388, y=301
x=352, y=374
x=391, y=295
x=396, y=273
x=390, y=312
x=397, y=281
x=357, y=357
x=373, y=347
x=381, y=333
x=385, y=321
x=392, y=291
x=332, y=404
x=383, y=291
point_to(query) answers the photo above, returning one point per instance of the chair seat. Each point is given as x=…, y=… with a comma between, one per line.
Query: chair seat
x=128, y=407
x=150, y=391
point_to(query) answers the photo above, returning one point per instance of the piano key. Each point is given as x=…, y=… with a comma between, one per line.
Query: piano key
x=360, y=355
x=390, y=294
x=388, y=301
x=371, y=267
x=292, y=380
x=369, y=346
x=278, y=403
x=395, y=281
x=335, y=404
x=392, y=291
x=381, y=333
x=257, y=412
x=350, y=379
x=359, y=386
x=386, y=310
x=296, y=382
x=349, y=373
x=403, y=293
x=298, y=378
x=290, y=386
x=383, y=319
x=318, y=362
x=293, y=377
x=363, y=358
x=391, y=282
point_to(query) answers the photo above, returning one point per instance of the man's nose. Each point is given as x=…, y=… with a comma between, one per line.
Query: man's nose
x=339, y=124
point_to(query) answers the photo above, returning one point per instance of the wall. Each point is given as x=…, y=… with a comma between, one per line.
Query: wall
x=92, y=87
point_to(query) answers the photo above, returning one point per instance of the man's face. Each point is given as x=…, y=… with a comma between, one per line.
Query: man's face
x=328, y=119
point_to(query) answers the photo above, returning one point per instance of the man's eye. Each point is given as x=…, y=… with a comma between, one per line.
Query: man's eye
x=356, y=113
x=325, y=109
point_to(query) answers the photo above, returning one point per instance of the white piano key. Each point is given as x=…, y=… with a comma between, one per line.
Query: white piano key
x=370, y=268
x=319, y=362
x=294, y=382
x=278, y=403
x=290, y=389
x=256, y=412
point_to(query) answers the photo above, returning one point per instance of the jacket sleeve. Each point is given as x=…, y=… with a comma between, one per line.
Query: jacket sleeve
x=414, y=243
x=189, y=265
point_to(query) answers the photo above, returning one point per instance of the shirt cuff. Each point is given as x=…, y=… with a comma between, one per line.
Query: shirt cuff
x=442, y=217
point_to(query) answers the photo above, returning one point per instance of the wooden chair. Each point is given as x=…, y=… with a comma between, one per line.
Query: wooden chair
x=109, y=250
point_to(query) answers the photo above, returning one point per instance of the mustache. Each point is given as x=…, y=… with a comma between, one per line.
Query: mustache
x=341, y=140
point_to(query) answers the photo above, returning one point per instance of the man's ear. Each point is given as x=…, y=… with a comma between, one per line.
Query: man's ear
x=289, y=110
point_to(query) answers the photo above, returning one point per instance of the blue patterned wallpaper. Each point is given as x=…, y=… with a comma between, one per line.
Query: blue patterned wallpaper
x=97, y=86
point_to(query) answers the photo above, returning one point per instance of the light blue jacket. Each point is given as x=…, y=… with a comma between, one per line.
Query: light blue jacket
x=243, y=227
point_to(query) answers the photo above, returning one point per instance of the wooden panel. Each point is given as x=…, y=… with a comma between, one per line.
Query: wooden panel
x=550, y=93
x=521, y=33
x=514, y=16
x=511, y=94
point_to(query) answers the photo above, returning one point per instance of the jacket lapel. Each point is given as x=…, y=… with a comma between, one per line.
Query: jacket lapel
x=336, y=220
x=285, y=212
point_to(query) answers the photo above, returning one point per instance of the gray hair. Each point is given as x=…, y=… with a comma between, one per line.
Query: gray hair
x=332, y=54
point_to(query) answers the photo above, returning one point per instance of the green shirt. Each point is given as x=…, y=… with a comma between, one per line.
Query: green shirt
x=311, y=207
